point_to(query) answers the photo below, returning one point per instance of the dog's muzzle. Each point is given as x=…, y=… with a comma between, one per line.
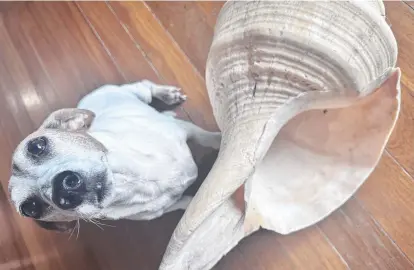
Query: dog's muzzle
x=68, y=190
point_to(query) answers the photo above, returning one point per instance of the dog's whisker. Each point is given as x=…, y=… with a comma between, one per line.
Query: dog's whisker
x=73, y=229
x=96, y=224
x=77, y=236
x=103, y=224
x=90, y=220
x=83, y=218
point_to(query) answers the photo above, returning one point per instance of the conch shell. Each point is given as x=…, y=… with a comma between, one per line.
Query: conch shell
x=306, y=95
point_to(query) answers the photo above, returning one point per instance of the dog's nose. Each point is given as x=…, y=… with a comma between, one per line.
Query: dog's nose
x=68, y=190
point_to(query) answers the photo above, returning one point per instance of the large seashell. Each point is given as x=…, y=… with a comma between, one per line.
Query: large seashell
x=306, y=95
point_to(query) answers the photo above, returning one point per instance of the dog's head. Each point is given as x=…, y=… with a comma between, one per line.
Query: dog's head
x=59, y=172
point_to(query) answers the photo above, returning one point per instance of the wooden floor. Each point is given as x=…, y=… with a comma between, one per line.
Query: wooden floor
x=53, y=53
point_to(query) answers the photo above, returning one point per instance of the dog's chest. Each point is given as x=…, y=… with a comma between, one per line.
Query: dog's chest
x=148, y=146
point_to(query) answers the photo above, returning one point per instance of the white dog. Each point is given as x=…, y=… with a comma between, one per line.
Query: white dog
x=112, y=157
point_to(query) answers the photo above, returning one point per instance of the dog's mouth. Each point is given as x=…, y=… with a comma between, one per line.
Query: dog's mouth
x=59, y=226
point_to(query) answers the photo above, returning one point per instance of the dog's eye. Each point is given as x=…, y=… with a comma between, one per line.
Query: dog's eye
x=37, y=146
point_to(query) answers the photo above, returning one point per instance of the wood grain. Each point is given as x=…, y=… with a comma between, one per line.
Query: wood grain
x=254, y=253
x=266, y=250
x=128, y=57
x=360, y=241
x=187, y=24
x=401, y=19
x=309, y=249
x=401, y=145
x=210, y=10
x=409, y=3
x=124, y=51
x=166, y=56
x=387, y=195
x=51, y=54
x=68, y=49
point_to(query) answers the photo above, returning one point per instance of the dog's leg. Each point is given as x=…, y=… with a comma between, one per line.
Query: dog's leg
x=181, y=204
x=200, y=136
x=146, y=90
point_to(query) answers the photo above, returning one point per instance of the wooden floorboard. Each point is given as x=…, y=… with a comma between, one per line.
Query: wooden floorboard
x=188, y=26
x=387, y=195
x=51, y=54
x=167, y=57
x=360, y=241
x=125, y=52
x=401, y=18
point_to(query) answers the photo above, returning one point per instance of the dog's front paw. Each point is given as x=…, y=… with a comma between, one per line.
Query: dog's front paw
x=170, y=95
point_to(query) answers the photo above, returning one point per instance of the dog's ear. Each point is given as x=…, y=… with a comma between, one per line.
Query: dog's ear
x=63, y=227
x=69, y=119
